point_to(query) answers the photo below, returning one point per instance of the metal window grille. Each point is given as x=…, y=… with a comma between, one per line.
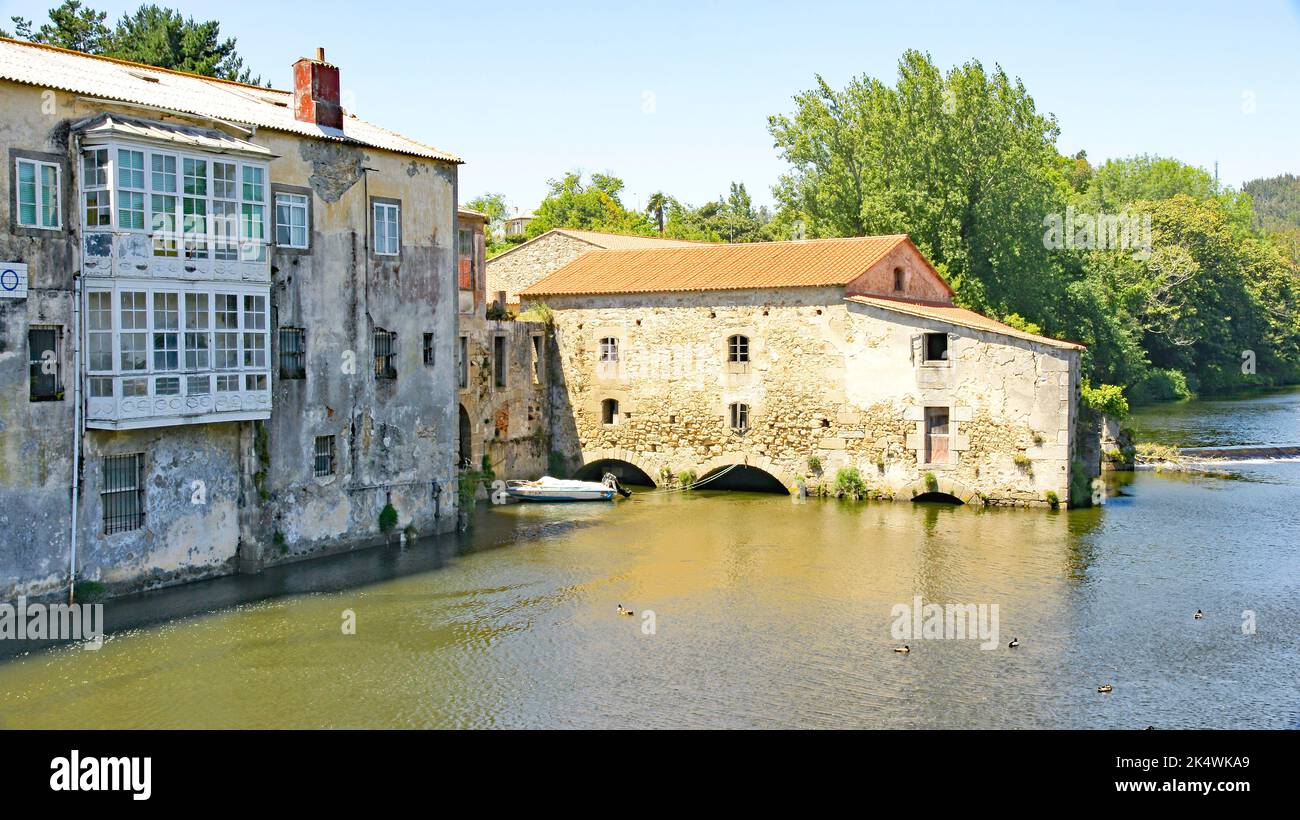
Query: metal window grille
x=428, y=349
x=324, y=461
x=123, y=493
x=385, y=358
x=293, y=353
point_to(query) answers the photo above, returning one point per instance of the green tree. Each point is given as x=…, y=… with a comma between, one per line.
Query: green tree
x=961, y=162
x=656, y=207
x=596, y=206
x=152, y=35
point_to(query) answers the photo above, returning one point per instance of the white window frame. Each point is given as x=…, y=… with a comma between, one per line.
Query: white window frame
x=294, y=203
x=40, y=189
x=248, y=324
x=387, y=244
x=250, y=245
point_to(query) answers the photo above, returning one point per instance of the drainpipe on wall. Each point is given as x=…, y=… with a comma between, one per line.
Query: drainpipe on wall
x=76, y=392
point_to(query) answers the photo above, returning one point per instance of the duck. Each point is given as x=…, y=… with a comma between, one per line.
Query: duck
x=624, y=611
x=1199, y=615
x=1014, y=643
x=1105, y=689
x=903, y=650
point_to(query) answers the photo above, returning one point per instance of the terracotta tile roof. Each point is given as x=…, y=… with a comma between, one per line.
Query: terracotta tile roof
x=205, y=97
x=957, y=316
x=697, y=267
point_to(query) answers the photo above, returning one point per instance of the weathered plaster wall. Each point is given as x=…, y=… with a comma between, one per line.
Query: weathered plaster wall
x=35, y=437
x=840, y=381
x=518, y=268
x=396, y=440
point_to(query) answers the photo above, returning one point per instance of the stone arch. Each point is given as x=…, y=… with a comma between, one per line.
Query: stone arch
x=942, y=485
x=757, y=462
x=466, y=439
x=637, y=460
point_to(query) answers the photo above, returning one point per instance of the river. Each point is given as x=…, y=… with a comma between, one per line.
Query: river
x=767, y=612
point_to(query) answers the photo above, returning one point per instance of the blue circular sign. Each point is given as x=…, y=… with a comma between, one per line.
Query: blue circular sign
x=9, y=279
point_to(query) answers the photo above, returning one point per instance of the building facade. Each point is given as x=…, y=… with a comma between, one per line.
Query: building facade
x=234, y=342
x=501, y=373
x=799, y=359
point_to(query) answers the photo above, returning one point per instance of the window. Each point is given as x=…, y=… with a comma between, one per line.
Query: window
x=739, y=417
x=193, y=207
x=609, y=349
x=169, y=341
x=388, y=240
x=43, y=362
x=291, y=220
x=428, y=349
x=97, y=211
x=499, y=360
x=468, y=268
x=38, y=194
x=122, y=494
x=324, y=460
x=293, y=353
x=537, y=359
x=936, y=435
x=609, y=411
x=738, y=350
x=385, y=360
x=462, y=363
x=936, y=347
x=899, y=279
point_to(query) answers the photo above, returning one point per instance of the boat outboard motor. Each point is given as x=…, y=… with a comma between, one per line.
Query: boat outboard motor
x=611, y=480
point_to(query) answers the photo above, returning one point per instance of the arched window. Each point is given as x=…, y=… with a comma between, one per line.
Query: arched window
x=609, y=349
x=738, y=349
x=609, y=411
x=740, y=417
x=898, y=279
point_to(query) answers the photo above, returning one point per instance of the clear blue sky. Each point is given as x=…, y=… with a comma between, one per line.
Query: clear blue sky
x=524, y=92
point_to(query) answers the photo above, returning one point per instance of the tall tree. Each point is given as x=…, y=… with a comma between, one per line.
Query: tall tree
x=656, y=207
x=152, y=35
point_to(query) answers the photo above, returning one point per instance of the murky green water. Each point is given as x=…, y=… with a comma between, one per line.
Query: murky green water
x=769, y=613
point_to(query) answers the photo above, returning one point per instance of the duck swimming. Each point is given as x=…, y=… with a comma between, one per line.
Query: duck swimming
x=903, y=650
x=1199, y=615
x=1105, y=689
x=624, y=611
x=1014, y=643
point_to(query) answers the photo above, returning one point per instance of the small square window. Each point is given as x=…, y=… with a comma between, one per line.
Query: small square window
x=936, y=347
x=291, y=228
x=37, y=194
x=388, y=229
x=324, y=456
x=609, y=349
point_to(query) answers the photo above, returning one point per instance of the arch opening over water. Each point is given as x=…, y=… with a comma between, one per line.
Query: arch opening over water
x=625, y=471
x=937, y=498
x=743, y=478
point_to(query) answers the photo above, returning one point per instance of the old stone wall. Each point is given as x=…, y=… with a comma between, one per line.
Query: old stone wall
x=509, y=424
x=841, y=383
x=520, y=267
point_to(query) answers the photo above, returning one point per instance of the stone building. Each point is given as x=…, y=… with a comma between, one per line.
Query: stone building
x=231, y=335
x=512, y=271
x=501, y=373
x=797, y=359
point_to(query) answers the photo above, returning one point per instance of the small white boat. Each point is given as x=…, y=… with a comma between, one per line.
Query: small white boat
x=559, y=489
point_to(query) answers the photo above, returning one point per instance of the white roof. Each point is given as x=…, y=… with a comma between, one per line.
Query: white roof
x=119, y=80
x=208, y=139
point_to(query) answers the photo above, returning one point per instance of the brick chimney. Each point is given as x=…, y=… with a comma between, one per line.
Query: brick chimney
x=316, y=92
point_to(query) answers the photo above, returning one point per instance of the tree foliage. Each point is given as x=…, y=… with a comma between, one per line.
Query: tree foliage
x=152, y=35
x=593, y=206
